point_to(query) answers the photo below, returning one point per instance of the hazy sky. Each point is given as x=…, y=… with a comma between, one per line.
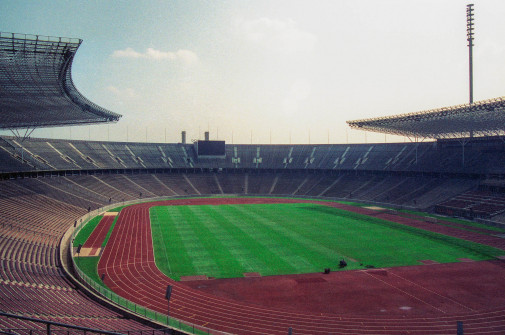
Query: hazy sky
x=278, y=71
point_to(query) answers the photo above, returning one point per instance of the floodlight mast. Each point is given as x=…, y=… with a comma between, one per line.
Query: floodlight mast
x=469, y=38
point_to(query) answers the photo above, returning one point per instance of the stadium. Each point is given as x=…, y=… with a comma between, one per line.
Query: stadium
x=368, y=238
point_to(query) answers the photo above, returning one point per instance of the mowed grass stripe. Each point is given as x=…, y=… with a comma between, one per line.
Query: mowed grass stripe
x=347, y=237
x=316, y=235
x=222, y=262
x=230, y=239
x=258, y=245
x=254, y=257
x=384, y=243
x=168, y=243
x=200, y=258
x=303, y=253
x=161, y=243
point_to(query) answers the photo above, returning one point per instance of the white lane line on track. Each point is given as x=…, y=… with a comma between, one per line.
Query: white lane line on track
x=433, y=292
x=403, y=291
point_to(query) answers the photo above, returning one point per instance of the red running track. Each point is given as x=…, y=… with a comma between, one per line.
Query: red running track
x=95, y=240
x=128, y=262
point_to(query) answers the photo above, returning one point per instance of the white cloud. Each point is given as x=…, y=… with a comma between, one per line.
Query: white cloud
x=276, y=34
x=126, y=53
x=187, y=57
x=122, y=95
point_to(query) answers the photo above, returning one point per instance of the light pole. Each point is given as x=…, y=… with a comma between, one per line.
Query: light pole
x=168, y=294
x=469, y=38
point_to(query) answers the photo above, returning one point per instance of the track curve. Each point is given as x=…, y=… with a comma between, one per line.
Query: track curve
x=129, y=265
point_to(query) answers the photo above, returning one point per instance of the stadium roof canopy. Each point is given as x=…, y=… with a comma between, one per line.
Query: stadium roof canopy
x=36, y=88
x=482, y=118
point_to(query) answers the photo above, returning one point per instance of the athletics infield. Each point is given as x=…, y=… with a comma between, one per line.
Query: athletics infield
x=423, y=299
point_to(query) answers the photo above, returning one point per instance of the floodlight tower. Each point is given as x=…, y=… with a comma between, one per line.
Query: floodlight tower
x=469, y=38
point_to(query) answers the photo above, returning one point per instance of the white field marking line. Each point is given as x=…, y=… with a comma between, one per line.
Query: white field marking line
x=299, y=238
x=424, y=288
x=242, y=259
x=404, y=292
x=148, y=250
x=162, y=240
x=203, y=251
x=144, y=264
x=207, y=212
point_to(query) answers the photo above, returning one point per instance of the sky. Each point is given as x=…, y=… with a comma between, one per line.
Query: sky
x=266, y=71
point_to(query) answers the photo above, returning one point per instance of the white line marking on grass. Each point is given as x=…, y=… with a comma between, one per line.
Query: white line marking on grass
x=308, y=243
x=233, y=246
x=162, y=239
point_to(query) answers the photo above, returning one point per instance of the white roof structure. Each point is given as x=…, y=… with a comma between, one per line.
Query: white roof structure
x=482, y=118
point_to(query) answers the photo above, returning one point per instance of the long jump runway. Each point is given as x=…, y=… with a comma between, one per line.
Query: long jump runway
x=427, y=299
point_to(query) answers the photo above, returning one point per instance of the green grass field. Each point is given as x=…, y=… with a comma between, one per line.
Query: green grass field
x=88, y=265
x=229, y=240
